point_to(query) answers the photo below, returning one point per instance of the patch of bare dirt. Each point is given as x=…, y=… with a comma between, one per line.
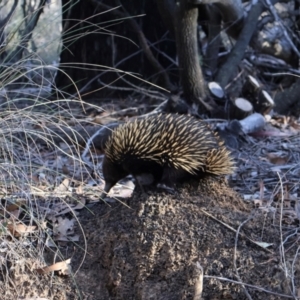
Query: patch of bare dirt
x=151, y=248
x=22, y=282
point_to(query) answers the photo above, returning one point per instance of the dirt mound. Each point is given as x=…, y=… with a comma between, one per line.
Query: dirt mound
x=150, y=249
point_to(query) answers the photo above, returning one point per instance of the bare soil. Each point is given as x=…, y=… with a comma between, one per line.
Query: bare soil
x=151, y=247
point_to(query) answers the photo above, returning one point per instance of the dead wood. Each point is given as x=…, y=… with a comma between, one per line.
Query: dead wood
x=216, y=90
x=240, y=108
x=232, y=12
x=254, y=92
x=191, y=76
x=229, y=68
x=288, y=99
x=264, y=103
x=253, y=123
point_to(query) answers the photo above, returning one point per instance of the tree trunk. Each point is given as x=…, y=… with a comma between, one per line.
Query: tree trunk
x=192, y=80
x=79, y=46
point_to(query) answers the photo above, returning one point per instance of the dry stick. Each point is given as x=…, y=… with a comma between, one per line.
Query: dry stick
x=293, y=269
x=281, y=247
x=234, y=230
x=234, y=256
x=250, y=286
x=199, y=282
x=147, y=92
x=173, y=61
x=104, y=85
x=135, y=88
x=290, y=70
x=237, y=53
x=288, y=237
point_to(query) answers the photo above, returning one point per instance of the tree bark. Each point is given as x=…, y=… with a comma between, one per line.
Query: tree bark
x=191, y=76
x=232, y=12
x=78, y=53
x=16, y=54
x=288, y=100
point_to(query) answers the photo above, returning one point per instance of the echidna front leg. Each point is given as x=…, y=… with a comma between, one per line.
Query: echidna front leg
x=141, y=168
x=138, y=183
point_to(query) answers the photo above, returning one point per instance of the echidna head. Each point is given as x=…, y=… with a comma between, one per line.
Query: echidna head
x=112, y=173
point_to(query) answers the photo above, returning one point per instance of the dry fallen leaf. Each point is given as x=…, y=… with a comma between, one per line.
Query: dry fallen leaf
x=79, y=190
x=276, y=159
x=263, y=244
x=63, y=187
x=103, y=119
x=14, y=206
x=12, y=209
x=63, y=229
x=258, y=203
x=18, y=230
x=64, y=208
x=80, y=204
x=63, y=267
x=15, y=214
x=124, y=190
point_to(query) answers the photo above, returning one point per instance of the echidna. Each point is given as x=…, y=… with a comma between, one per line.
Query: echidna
x=161, y=145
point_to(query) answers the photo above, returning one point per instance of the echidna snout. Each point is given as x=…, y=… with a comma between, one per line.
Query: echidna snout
x=112, y=174
x=158, y=143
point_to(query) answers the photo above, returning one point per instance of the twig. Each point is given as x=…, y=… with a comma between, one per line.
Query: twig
x=293, y=269
x=234, y=230
x=199, y=282
x=250, y=286
x=281, y=247
x=135, y=88
x=234, y=256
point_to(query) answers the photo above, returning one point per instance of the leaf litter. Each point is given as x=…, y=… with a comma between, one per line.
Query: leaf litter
x=59, y=185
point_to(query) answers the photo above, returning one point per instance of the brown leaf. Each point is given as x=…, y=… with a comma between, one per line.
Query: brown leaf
x=65, y=170
x=63, y=267
x=13, y=207
x=18, y=230
x=63, y=187
x=276, y=159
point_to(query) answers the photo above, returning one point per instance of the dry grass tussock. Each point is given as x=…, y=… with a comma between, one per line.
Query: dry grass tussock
x=43, y=181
